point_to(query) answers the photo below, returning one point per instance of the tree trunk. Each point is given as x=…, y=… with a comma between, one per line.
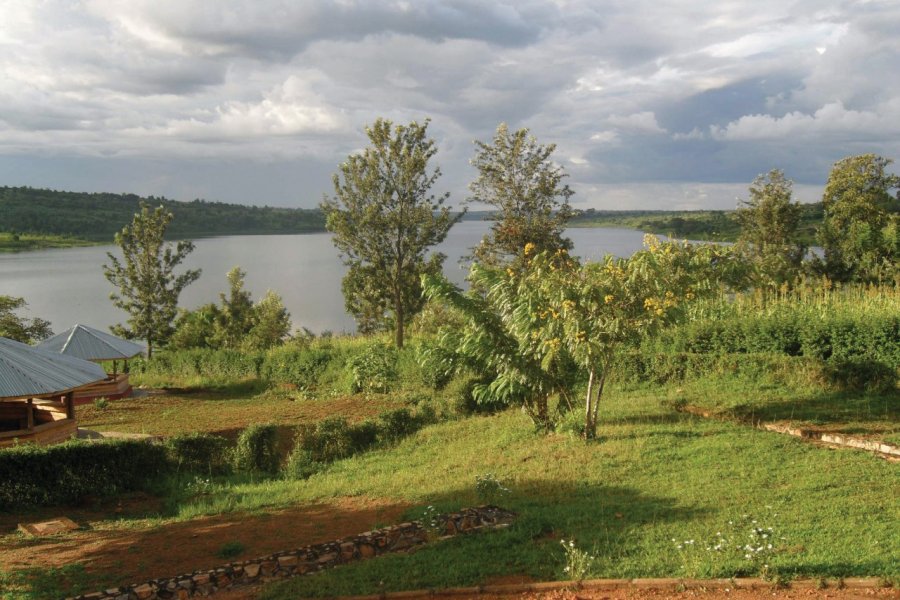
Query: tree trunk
x=398, y=313
x=588, y=410
x=149, y=347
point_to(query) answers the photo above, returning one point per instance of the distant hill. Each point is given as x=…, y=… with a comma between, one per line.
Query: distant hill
x=99, y=216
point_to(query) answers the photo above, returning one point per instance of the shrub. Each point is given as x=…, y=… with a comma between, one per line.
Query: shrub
x=199, y=452
x=861, y=375
x=299, y=366
x=257, y=449
x=67, y=473
x=301, y=464
x=374, y=369
x=396, y=424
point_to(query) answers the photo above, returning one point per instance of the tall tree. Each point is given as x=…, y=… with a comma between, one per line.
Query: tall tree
x=18, y=328
x=517, y=177
x=235, y=317
x=769, y=223
x=145, y=278
x=860, y=232
x=384, y=219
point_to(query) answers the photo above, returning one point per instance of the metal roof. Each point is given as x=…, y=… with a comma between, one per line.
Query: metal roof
x=28, y=372
x=88, y=343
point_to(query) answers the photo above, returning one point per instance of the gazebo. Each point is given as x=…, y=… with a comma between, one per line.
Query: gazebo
x=94, y=345
x=37, y=392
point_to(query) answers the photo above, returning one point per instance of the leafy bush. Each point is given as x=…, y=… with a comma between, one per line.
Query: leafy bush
x=199, y=452
x=67, y=473
x=299, y=366
x=257, y=449
x=861, y=375
x=301, y=464
x=396, y=424
x=374, y=369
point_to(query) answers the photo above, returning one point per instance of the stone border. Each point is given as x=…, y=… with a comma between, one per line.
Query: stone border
x=881, y=449
x=405, y=537
x=662, y=584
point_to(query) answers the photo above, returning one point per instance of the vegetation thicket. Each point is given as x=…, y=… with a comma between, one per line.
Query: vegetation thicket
x=19, y=328
x=237, y=323
x=145, y=279
x=385, y=219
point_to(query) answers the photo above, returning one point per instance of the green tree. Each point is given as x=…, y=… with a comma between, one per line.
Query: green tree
x=538, y=329
x=237, y=323
x=236, y=316
x=859, y=232
x=384, y=219
x=769, y=227
x=19, y=328
x=145, y=278
x=271, y=323
x=517, y=177
x=195, y=328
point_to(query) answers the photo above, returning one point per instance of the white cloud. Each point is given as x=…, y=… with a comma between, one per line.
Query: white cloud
x=829, y=119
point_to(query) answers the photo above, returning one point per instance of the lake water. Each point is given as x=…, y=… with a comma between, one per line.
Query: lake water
x=67, y=286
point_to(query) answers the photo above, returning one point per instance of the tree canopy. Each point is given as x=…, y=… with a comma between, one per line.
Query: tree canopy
x=145, y=279
x=21, y=329
x=770, y=221
x=861, y=231
x=517, y=177
x=385, y=218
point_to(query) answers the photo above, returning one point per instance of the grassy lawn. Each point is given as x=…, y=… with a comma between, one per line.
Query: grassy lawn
x=654, y=476
x=785, y=394
x=653, y=481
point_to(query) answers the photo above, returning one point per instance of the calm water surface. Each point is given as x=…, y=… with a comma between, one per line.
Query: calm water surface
x=66, y=286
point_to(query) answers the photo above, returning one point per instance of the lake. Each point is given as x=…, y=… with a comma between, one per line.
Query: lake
x=67, y=286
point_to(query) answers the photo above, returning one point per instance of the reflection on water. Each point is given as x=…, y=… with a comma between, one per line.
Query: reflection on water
x=67, y=286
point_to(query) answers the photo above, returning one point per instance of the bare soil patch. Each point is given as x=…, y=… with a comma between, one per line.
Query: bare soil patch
x=148, y=549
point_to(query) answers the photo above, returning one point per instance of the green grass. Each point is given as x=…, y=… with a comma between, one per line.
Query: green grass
x=62, y=582
x=653, y=476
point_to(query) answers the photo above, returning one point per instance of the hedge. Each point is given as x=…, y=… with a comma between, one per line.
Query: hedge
x=67, y=473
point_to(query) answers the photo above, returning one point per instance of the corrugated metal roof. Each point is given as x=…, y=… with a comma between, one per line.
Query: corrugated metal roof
x=26, y=371
x=88, y=343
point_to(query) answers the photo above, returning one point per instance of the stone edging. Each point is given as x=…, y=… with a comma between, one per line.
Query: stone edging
x=405, y=537
x=666, y=584
x=882, y=449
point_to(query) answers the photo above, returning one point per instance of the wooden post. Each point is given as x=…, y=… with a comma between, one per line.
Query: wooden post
x=29, y=415
x=70, y=405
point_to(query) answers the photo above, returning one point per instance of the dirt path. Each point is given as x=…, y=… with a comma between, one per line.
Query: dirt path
x=122, y=556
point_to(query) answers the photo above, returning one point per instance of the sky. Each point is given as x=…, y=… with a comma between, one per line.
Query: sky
x=652, y=104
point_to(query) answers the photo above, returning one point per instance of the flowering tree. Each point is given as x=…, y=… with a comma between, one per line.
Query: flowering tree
x=541, y=326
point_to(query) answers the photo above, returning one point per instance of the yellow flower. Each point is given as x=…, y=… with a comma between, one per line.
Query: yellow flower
x=529, y=248
x=608, y=298
x=659, y=312
x=510, y=272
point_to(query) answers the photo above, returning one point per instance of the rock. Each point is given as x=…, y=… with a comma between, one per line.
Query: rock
x=251, y=571
x=285, y=562
x=201, y=579
x=366, y=551
x=327, y=558
x=143, y=591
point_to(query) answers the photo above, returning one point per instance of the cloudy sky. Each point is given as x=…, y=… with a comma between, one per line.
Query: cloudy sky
x=651, y=103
